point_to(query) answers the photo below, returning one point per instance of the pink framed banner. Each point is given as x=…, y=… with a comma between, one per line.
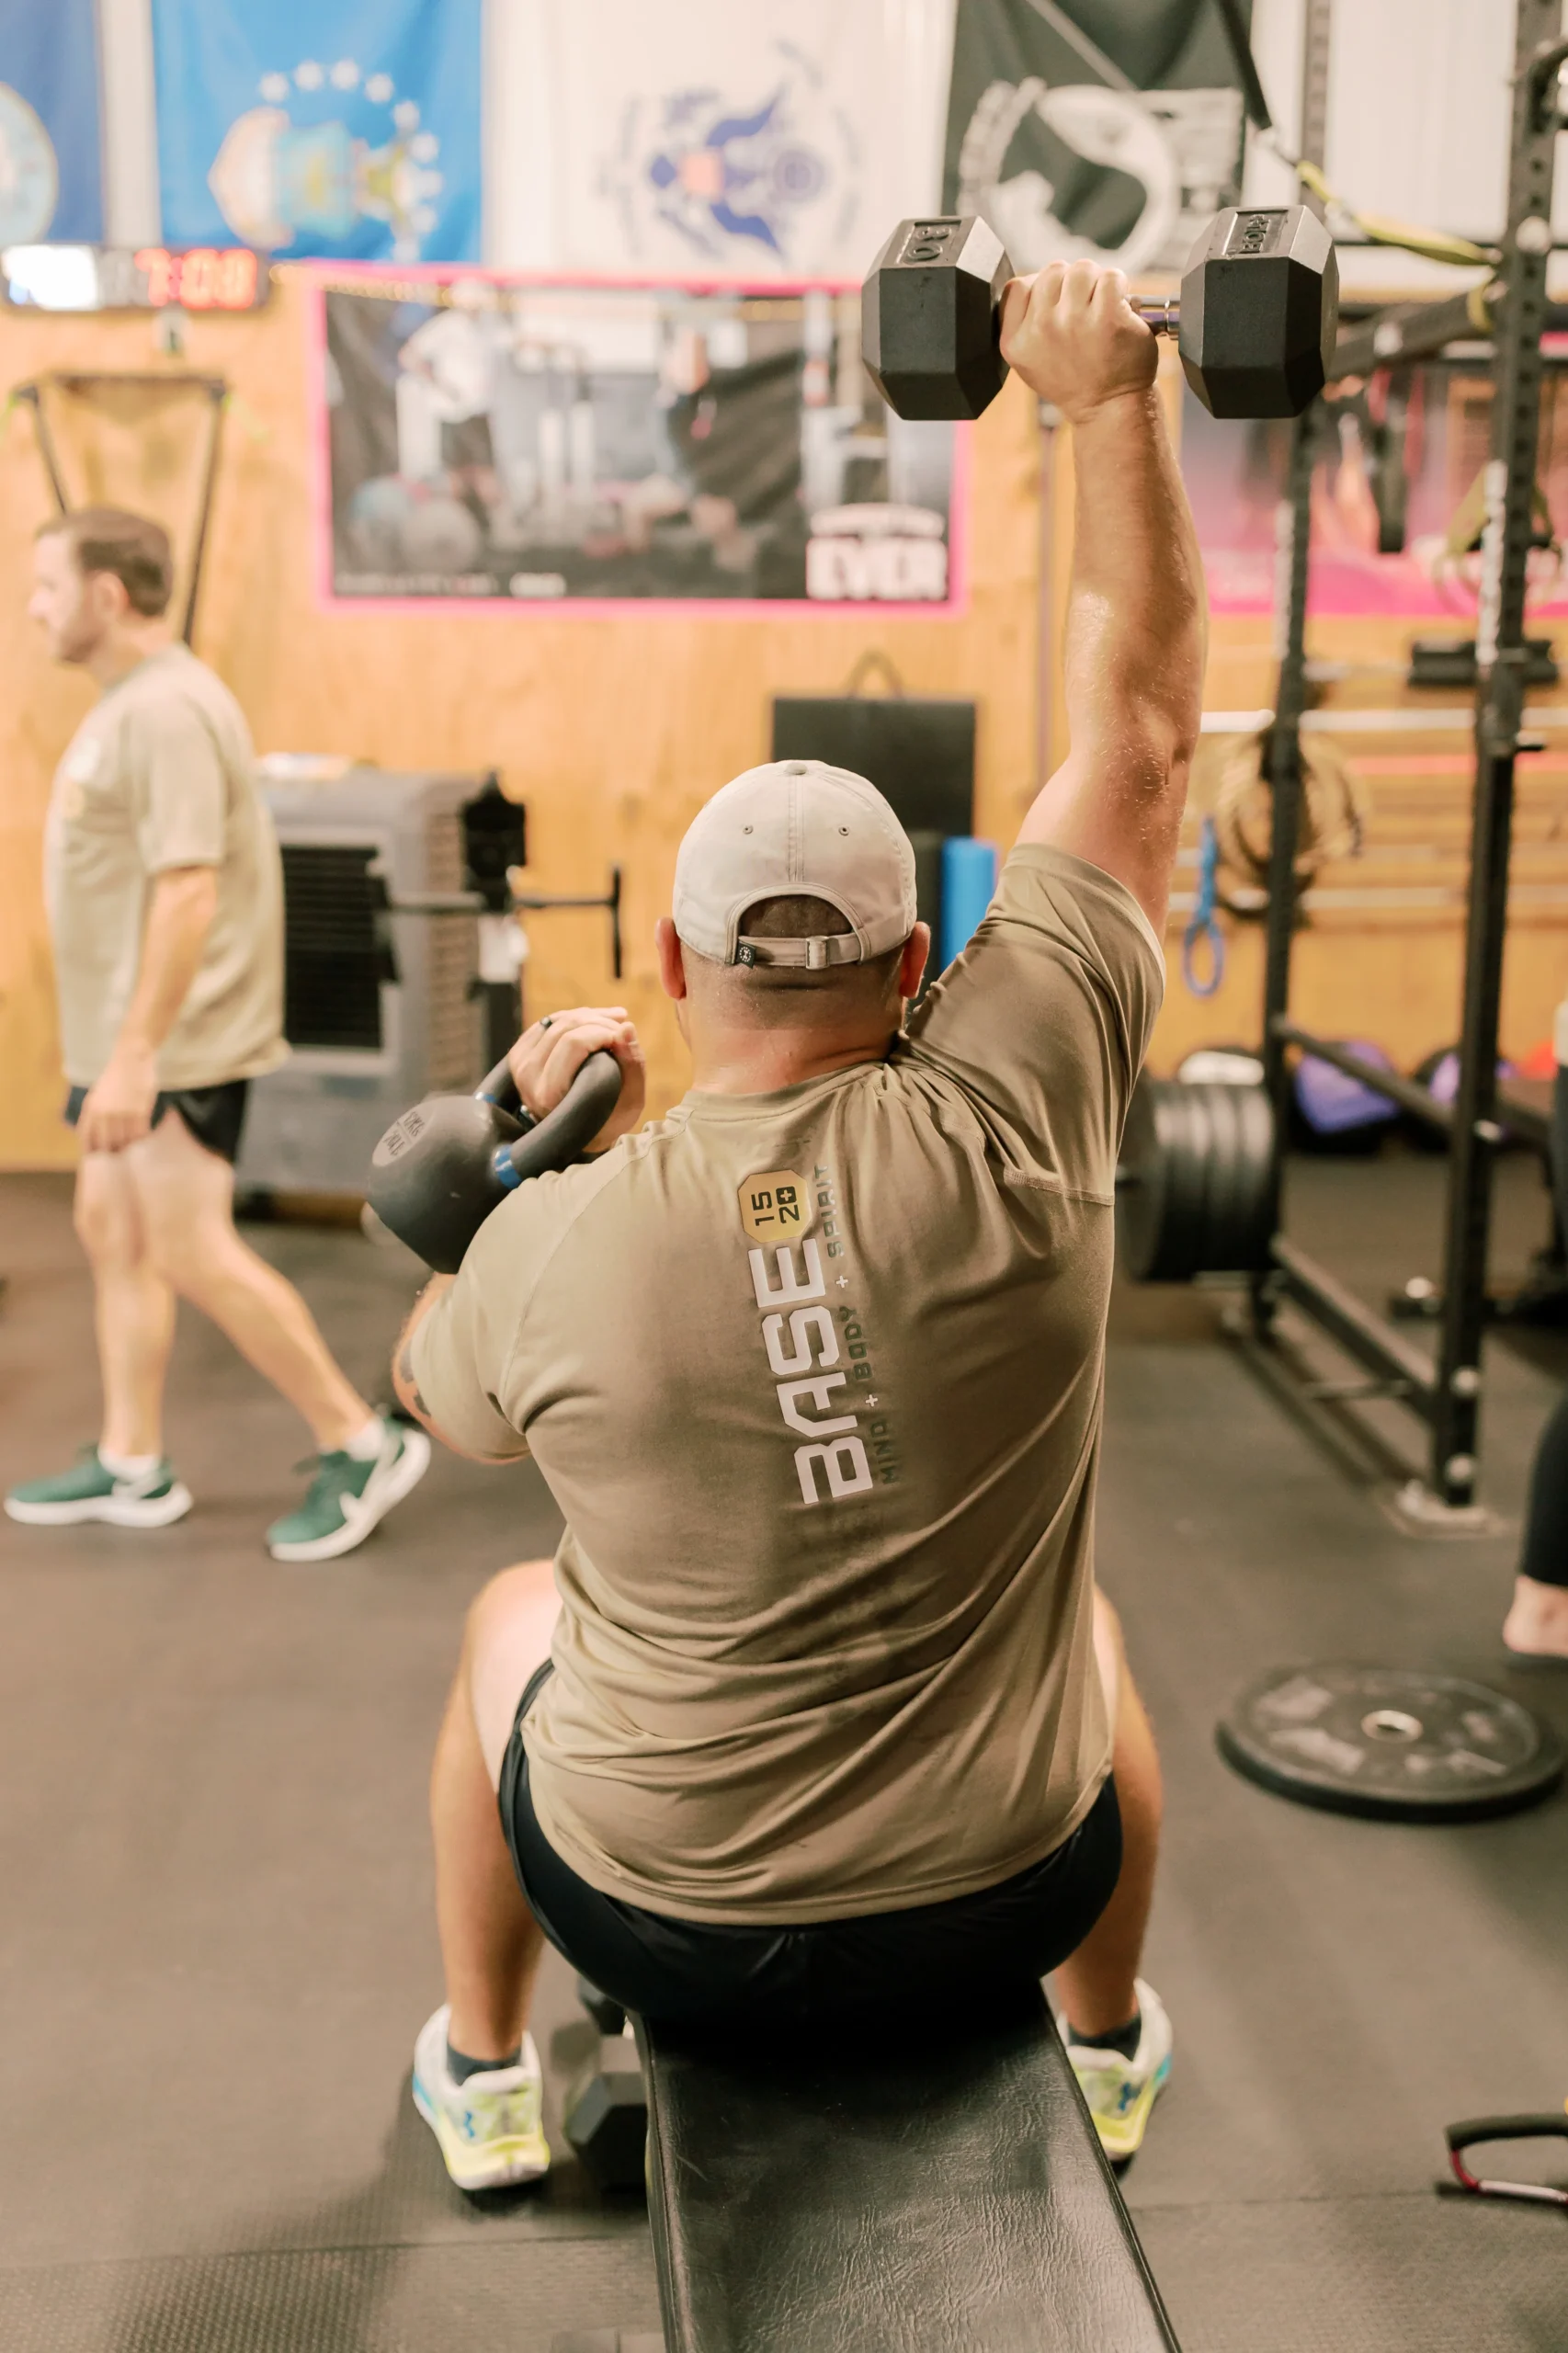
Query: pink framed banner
x=532, y=444
x=1234, y=475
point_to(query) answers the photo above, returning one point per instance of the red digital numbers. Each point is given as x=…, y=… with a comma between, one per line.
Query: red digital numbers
x=208, y=278
x=160, y=269
x=237, y=279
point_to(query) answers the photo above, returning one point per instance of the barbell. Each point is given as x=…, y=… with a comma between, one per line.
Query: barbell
x=1255, y=325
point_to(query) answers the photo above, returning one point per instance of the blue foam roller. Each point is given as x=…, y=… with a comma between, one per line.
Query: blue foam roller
x=968, y=884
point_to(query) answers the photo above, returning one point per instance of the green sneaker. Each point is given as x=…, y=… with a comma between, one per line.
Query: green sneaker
x=349, y=1498
x=90, y=1491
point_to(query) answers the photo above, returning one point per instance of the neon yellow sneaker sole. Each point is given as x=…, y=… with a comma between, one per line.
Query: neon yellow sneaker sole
x=1119, y=2093
x=1122, y=2131
x=490, y=2129
x=500, y=2163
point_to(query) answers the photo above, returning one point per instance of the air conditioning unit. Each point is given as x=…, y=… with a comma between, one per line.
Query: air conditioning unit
x=379, y=1008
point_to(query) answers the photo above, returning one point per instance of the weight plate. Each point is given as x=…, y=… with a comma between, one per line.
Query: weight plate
x=1221, y=1180
x=1160, y=1184
x=1390, y=1743
x=1186, y=1123
x=1256, y=1202
x=1242, y=1125
x=1193, y=1183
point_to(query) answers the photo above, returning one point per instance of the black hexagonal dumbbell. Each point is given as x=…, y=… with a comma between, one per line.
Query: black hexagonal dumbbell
x=606, y=2119
x=1255, y=326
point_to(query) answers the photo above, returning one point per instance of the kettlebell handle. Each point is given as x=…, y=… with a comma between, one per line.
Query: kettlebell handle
x=498, y=1087
x=562, y=1135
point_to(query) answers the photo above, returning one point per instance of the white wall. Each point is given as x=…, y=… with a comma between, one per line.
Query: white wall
x=1418, y=112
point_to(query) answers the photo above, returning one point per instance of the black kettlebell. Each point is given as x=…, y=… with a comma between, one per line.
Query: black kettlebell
x=438, y=1171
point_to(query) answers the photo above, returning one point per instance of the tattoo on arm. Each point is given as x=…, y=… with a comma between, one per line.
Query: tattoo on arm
x=403, y=1376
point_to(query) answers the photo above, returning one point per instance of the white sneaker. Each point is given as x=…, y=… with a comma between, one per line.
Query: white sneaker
x=1119, y=2093
x=490, y=2130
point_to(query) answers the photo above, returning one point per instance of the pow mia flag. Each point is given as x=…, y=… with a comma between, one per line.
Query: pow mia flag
x=1114, y=130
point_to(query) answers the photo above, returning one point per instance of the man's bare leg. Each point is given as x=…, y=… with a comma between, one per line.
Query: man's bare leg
x=1097, y=1989
x=491, y=1944
x=186, y=1195
x=133, y=1307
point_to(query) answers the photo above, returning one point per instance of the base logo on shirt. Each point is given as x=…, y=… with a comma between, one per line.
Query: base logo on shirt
x=767, y=177
x=775, y=1205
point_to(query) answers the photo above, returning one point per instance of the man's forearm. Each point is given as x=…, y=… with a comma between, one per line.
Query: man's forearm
x=179, y=916
x=1133, y=654
x=1135, y=611
x=403, y=1381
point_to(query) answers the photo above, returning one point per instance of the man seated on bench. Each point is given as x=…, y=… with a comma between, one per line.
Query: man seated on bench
x=814, y=1713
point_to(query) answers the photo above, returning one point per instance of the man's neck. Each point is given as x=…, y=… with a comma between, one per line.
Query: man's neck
x=762, y=1062
x=124, y=649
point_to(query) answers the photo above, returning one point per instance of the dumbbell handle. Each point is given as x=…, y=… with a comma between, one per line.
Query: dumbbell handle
x=1162, y=315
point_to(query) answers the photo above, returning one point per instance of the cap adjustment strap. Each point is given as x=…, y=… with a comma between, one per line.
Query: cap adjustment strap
x=815, y=954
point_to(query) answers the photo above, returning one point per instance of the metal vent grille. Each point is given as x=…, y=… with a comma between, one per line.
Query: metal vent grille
x=453, y=953
x=334, y=952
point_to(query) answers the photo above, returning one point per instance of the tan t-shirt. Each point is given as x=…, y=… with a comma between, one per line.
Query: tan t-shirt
x=816, y=1379
x=161, y=774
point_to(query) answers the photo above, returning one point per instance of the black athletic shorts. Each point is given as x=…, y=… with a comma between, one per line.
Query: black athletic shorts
x=824, y=1971
x=215, y=1115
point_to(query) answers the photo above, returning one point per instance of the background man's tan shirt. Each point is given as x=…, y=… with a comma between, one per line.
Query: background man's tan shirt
x=161, y=774
x=816, y=1379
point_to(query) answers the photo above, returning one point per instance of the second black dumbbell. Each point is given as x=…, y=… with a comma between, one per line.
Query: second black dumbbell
x=1255, y=326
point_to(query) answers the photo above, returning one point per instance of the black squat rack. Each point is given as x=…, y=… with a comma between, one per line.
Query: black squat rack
x=1510, y=310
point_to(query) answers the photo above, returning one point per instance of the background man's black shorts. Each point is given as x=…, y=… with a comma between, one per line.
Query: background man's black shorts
x=215, y=1115
x=823, y=1971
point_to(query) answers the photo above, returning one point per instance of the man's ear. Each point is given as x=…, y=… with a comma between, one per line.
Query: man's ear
x=108, y=601
x=912, y=963
x=672, y=965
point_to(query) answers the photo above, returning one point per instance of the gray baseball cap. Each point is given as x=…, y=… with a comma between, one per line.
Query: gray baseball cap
x=795, y=829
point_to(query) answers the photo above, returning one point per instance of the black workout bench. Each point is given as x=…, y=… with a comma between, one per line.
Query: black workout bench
x=911, y=2191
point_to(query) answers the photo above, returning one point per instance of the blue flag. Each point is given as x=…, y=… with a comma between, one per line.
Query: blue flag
x=50, y=166
x=348, y=128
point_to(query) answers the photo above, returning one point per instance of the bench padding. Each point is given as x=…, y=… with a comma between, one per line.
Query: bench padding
x=917, y=2190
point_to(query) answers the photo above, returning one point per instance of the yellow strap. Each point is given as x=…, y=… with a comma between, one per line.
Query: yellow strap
x=1435, y=244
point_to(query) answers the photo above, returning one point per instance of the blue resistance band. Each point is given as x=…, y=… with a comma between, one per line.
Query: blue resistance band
x=1203, y=927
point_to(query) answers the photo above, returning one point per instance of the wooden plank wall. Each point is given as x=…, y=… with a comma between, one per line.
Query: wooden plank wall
x=612, y=731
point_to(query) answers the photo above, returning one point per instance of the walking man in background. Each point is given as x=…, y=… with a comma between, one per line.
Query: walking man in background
x=165, y=902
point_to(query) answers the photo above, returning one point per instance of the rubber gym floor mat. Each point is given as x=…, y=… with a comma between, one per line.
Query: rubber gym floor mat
x=1339, y=1988
x=505, y=2298
x=1316, y=2278
x=213, y=1790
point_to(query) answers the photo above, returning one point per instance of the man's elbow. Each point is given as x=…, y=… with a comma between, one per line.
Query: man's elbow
x=1162, y=706
x=191, y=891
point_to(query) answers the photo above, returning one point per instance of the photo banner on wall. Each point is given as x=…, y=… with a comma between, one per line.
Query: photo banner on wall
x=558, y=446
x=1114, y=132
x=341, y=127
x=1439, y=441
x=50, y=142
x=743, y=142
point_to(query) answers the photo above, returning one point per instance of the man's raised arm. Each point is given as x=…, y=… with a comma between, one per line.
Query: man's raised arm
x=1135, y=629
